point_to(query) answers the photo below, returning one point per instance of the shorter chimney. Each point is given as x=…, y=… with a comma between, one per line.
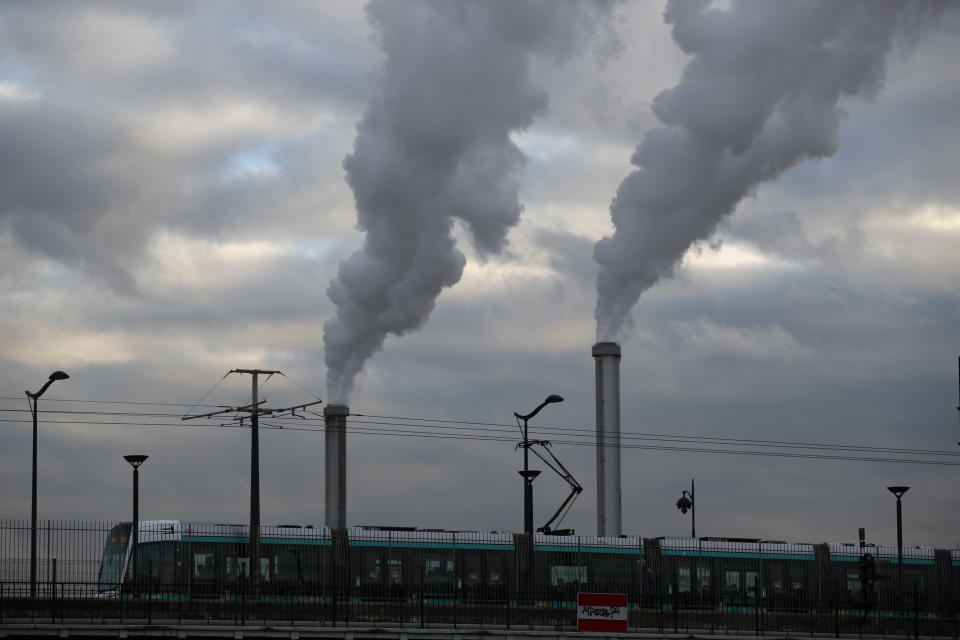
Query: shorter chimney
x=335, y=418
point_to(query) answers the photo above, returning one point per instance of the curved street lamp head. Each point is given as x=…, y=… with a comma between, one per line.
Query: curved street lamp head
x=56, y=375
x=684, y=503
x=135, y=460
x=898, y=491
x=550, y=399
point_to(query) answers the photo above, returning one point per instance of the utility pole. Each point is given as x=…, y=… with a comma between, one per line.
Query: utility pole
x=254, y=477
x=255, y=411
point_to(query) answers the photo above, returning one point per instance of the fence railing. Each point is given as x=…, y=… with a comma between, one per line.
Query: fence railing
x=352, y=606
x=69, y=588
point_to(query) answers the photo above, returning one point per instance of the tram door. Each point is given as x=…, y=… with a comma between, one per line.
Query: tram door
x=751, y=583
x=740, y=586
x=692, y=580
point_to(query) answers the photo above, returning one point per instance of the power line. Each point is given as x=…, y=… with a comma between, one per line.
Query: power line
x=377, y=429
x=451, y=426
x=507, y=427
x=156, y=404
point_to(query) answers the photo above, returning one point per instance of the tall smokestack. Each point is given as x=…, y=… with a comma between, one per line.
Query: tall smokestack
x=335, y=418
x=607, y=357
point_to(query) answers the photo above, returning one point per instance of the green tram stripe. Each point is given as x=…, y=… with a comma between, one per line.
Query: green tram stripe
x=409, y=544
x=736, y=554
x=591, y=549
x=241, y=540
x=885, y=560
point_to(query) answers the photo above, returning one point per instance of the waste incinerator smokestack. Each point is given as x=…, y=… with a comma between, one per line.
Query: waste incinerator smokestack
x=607, y=357
x=335, y=418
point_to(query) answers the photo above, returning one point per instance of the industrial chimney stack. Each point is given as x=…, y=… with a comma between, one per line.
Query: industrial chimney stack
x=335, y=418
x=607, y=357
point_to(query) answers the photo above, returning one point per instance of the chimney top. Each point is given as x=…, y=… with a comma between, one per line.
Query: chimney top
x=336, y=410
x=606, y=349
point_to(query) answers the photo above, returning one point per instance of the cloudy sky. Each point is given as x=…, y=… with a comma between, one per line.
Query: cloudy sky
x=189, y=188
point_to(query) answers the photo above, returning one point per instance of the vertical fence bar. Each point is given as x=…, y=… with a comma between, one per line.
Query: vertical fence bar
x=53, y=593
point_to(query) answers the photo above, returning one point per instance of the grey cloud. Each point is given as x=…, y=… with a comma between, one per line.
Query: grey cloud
x=81, y=183
x=63, y=176
x=292, y=53
x=569, y=254
x=40, y=232
x=783, y=233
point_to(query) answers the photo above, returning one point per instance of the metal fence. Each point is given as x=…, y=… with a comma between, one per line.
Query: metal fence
x=68, y=556
x=430, y=580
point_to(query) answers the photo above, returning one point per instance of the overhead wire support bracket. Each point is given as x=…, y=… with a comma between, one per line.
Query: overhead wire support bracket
x=575, y=487
x=221, y=412
x=293, y=409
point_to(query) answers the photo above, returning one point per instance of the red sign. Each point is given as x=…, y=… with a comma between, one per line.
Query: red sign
x=604, y=612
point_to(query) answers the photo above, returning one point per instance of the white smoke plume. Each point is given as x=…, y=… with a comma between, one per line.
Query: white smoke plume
x=434, y=146
x=761, y=93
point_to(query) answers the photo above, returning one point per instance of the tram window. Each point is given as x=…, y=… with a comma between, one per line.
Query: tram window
x=372, y=569
x=294, y=565
x=568, y=574
x=853, y=583
x=731, y=582
x=204, y=564
x=265, y=569
x=683, y=578
x=472, y=568
x=156, y=562
x=775, y=572
x=437, y=570
x=494, y=569
x=750, y=582
x=235, y=568
x=395, y=569
x=703, y=578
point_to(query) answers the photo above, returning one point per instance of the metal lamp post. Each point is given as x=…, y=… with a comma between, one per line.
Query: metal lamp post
x=688, y=502
x=899, y=491
x=527, y=474
x=32, y=400
x=135, y=461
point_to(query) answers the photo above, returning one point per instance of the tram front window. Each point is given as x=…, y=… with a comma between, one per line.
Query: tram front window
x=114, y=554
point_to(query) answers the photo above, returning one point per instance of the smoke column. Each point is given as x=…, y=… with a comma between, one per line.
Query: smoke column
x=434, y=146
x=760, y=94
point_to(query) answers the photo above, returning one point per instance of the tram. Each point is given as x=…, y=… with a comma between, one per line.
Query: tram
x=202, y=560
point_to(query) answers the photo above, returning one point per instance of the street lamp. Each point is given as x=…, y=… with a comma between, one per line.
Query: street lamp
x=135, y=461
x=899, y=491
x=527, y=474
x=687, y=502
x=56, y=375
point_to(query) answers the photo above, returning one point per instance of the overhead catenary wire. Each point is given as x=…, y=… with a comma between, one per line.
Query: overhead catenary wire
x=379, y=429
x=566, y=431
x=570, y=432
x=206, y=394
x=497, y=426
